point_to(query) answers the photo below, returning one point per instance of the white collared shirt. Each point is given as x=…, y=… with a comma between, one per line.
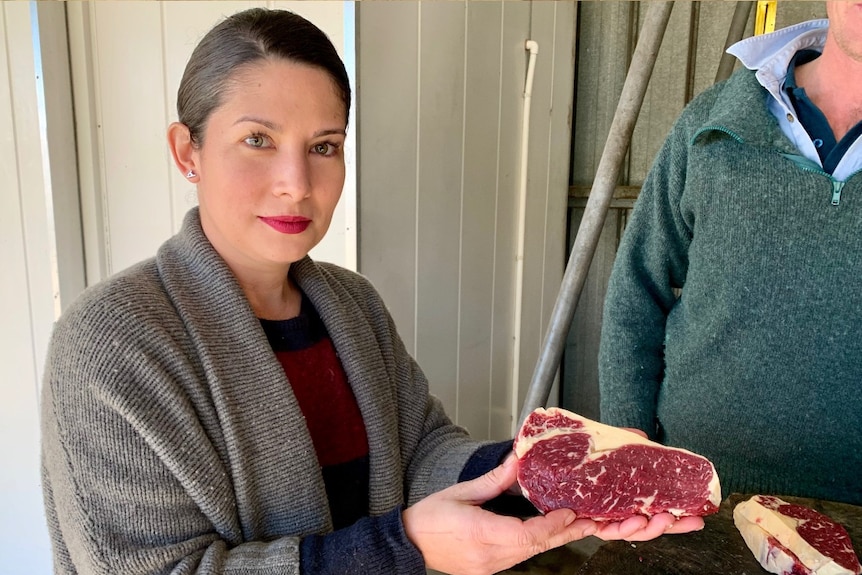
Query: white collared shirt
x=770, y=55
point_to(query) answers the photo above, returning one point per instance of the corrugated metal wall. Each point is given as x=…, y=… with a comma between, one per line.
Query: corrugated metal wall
x=440, y=99
x=686, y=65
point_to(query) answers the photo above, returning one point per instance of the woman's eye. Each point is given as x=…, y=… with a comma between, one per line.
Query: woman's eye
x=326, y=148
x=256, y=141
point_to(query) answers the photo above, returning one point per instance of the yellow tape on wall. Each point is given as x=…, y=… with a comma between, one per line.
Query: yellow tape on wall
x=764, y=21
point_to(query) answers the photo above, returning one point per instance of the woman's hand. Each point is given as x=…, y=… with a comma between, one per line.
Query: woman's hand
x=457, y=536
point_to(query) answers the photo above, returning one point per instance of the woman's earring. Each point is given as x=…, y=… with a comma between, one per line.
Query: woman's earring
x=191, y=174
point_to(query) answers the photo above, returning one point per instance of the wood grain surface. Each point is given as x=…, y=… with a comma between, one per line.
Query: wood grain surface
x=718, y=548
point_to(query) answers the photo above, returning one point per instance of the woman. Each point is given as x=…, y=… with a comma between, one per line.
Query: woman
x=231, y=406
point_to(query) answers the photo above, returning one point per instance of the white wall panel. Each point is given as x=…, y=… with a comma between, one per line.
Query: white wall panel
x=513, y=70
x=132, y=121
x=387, y=60
x=439, y=191
x=482, y=103
x=550, y=140
x=442, y=96
x=27, y=296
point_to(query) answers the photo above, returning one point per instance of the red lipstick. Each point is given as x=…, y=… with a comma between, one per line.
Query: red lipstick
x=287, y=224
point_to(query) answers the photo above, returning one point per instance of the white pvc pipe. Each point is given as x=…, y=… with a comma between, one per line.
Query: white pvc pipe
x=533, y=47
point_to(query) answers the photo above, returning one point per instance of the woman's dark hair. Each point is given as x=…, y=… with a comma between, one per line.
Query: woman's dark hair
x=241, y=40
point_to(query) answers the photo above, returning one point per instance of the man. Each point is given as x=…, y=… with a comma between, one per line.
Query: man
x=733, y=318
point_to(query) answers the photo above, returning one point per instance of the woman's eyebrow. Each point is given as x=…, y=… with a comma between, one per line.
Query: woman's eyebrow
x=261, y=121
x=277, y=127
x=337, y=131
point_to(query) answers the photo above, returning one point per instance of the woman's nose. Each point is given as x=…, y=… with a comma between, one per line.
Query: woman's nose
x=293, y=176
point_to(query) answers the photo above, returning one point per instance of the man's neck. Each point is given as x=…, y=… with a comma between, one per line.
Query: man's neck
x=834, y=83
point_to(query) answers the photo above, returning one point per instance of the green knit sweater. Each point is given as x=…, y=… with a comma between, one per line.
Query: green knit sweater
x=758, y=365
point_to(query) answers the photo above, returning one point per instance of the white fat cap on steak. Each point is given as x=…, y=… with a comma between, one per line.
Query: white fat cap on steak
x=757, y=523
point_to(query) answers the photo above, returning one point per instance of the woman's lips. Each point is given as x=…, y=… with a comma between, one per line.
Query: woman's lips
x=287, y=224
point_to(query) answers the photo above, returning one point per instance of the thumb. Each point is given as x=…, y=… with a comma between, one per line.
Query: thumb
x=490, y=485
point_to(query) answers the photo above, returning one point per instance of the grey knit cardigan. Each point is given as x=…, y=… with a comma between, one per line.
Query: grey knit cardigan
x=172, y=441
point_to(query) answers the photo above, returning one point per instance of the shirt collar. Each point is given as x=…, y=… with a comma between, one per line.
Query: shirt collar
x=770, y=54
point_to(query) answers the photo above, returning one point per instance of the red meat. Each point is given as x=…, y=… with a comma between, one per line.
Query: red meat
x=607, y=473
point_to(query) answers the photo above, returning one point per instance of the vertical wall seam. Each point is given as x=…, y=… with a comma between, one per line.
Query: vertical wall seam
x=548, y=187
x=75, y=151
x=45, y=160
x=691, y=59
x=416, y=183
x=495, y=232
x=461, y=216
x=165, y=112
x=21, y=216
x=351, y=202
x=104, y=200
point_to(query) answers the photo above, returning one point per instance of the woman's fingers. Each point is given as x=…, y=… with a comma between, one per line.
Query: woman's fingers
x=686, y=525
x=640, y=529
x=488, y=486
x=656, y=526
x=524, y=539
x=559, y=527
x=571, y=530
x=621, y=529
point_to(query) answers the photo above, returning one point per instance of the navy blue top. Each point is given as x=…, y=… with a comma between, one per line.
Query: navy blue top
x=812, y=117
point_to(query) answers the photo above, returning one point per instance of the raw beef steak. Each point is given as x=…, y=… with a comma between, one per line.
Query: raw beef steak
x=606, y=473
x=791, y=539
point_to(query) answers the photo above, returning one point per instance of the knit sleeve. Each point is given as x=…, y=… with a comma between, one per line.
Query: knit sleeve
x=371, y=545
x=485, y=459
x=651, y=262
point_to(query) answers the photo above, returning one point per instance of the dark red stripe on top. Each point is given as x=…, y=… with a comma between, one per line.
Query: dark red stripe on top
x=305, y=351
x=326, y=400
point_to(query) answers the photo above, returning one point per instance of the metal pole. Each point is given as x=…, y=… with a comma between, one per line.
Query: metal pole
x=607, y=176
x=734, y=34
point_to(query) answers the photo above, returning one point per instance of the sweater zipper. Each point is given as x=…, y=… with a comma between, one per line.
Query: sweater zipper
x=721, y=129
x=807, y=165
x=802, y=162
x=836, y=191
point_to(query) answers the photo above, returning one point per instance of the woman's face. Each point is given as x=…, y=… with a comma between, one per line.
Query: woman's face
x=271, y=165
